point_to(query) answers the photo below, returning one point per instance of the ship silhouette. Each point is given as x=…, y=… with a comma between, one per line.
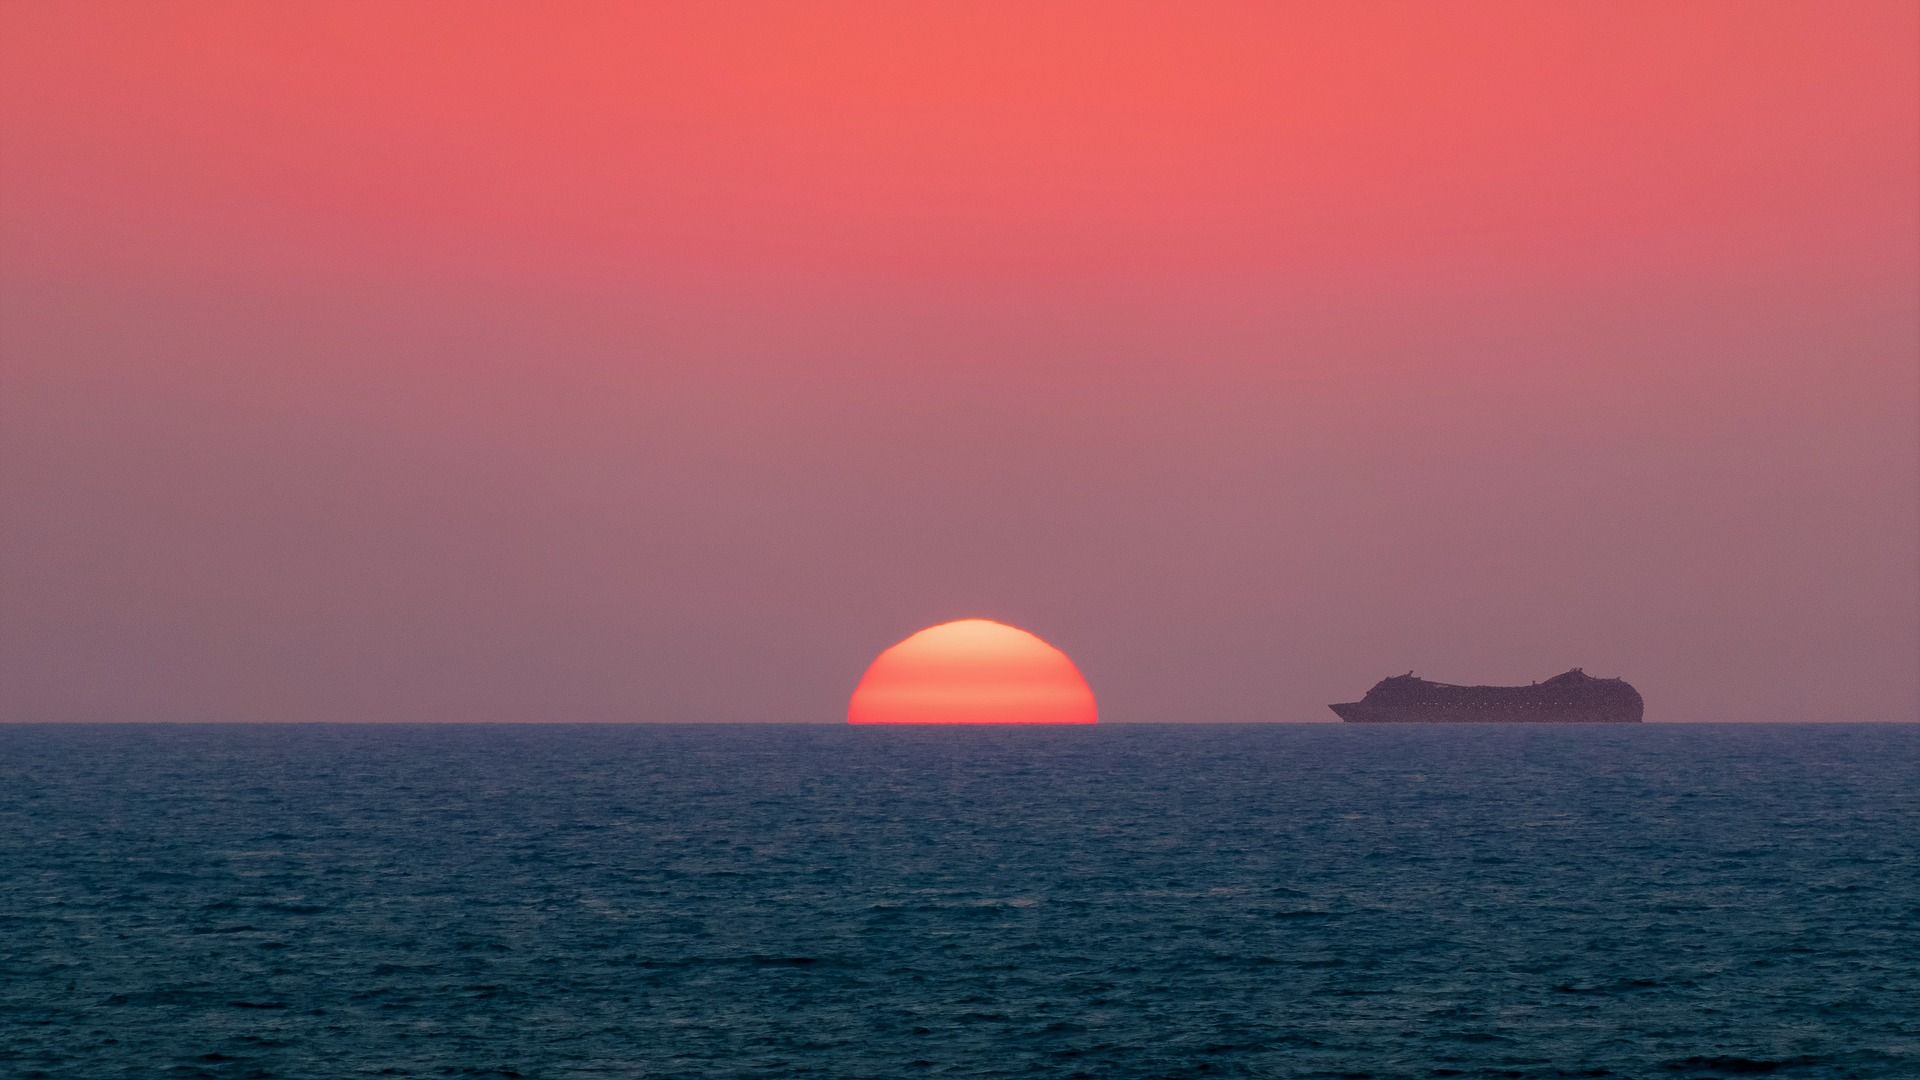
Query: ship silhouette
x=1572, y=698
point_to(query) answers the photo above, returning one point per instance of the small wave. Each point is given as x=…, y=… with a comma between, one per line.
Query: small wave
x=385, y=968
x=146, y=877
x=1062, y=1027
x=1618, y=986
x=1477, y=1037
x=162, y=997
x=291, y=909
x=1319, y=962
x=1739, y=1066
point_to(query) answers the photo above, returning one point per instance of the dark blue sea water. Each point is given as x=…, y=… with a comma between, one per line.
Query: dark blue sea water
x=679, y=901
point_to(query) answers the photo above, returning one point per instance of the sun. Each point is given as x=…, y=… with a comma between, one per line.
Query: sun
x=972, y=671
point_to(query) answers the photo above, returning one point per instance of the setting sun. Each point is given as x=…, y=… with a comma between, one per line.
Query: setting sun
x=972, y=671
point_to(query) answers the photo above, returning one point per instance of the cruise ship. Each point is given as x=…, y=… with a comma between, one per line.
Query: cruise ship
x=1573, y=698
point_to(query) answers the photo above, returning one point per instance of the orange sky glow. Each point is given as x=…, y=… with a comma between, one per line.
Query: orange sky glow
x=424, y=360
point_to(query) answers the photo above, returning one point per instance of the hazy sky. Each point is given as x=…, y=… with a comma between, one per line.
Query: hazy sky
x=554, y=362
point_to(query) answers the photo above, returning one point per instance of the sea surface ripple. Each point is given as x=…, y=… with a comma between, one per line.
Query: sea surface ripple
x=773, y=901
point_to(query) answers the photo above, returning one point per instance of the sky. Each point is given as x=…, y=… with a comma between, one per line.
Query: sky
x=565, y=362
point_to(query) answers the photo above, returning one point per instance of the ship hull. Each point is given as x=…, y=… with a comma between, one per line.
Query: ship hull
x=1354, y=712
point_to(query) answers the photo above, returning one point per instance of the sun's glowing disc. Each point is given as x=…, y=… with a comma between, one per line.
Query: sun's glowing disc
x=973, y=671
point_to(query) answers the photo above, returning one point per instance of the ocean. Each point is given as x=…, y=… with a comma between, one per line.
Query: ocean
x=1113, y=901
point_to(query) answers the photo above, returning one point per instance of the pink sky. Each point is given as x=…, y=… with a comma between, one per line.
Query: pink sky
x=565, y=362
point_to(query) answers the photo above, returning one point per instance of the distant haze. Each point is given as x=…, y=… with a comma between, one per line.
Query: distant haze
x=409, y=362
